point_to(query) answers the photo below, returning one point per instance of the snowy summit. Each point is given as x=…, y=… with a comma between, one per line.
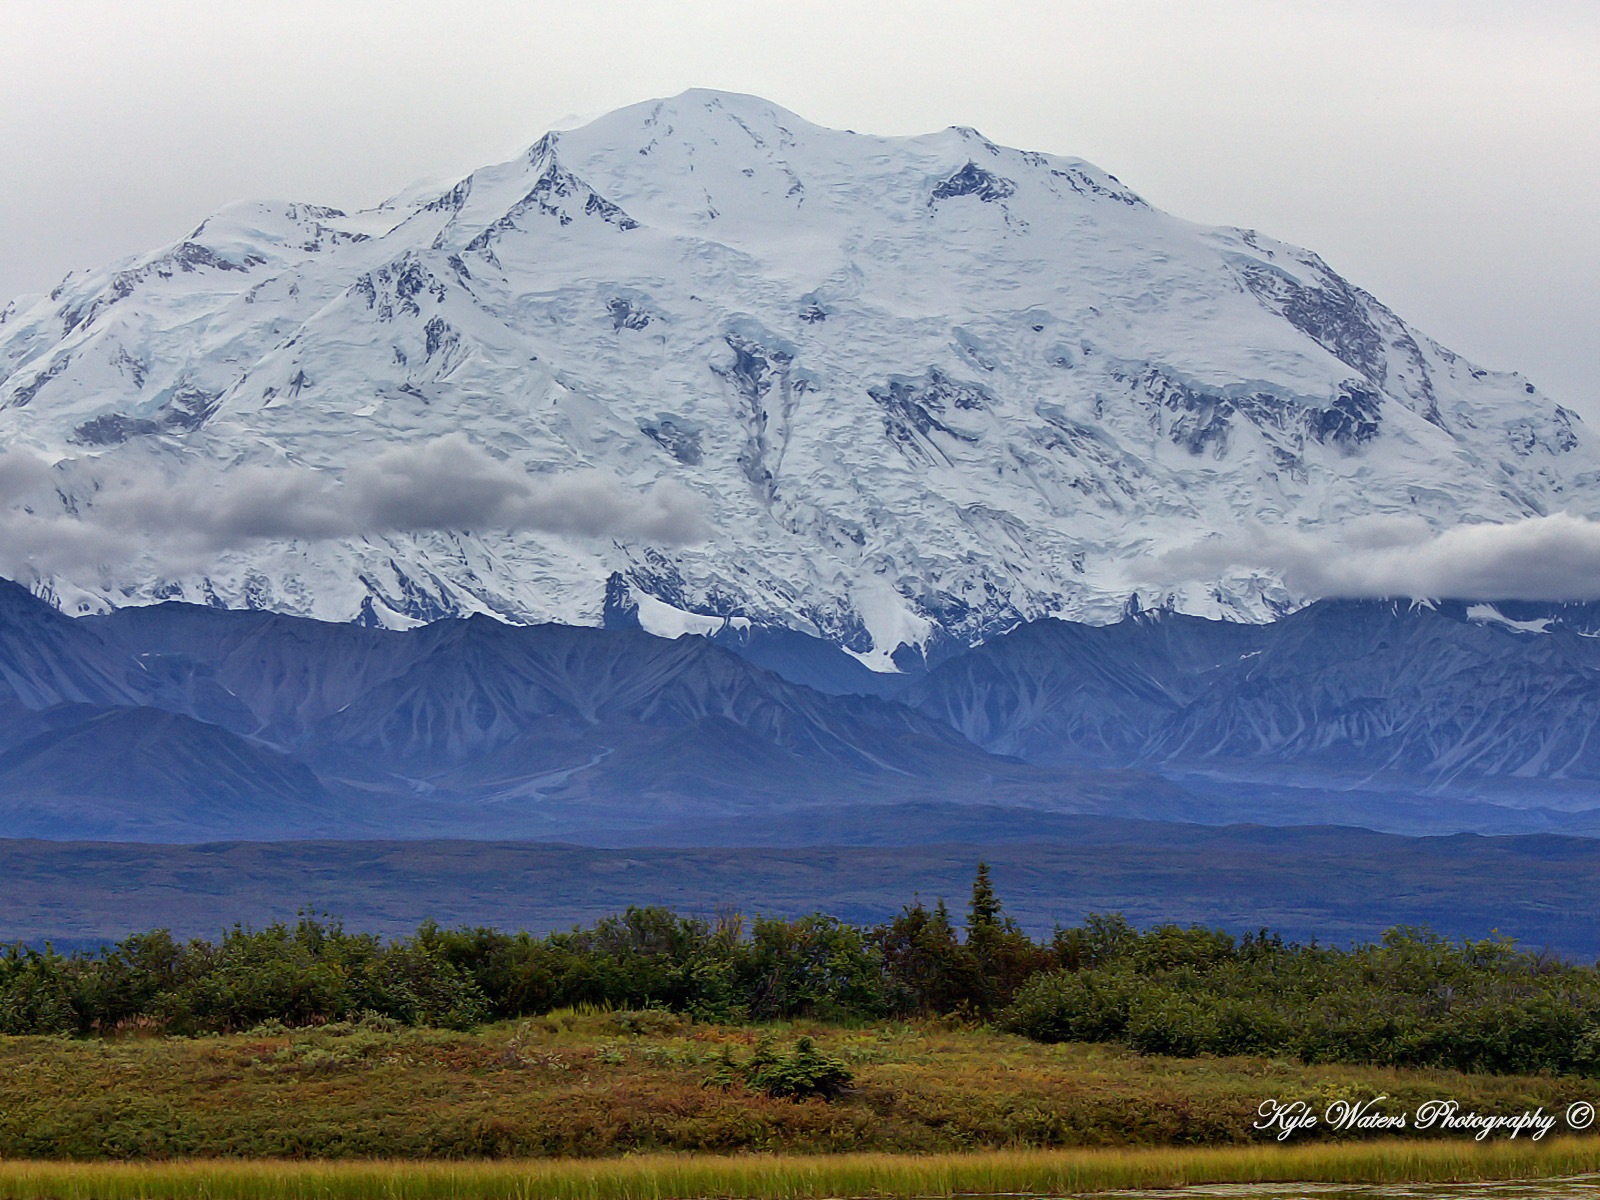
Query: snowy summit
x=701, y=361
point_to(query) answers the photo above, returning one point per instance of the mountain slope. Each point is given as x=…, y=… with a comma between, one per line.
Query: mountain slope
x=48, y=659
x=176, y=722
x=922, y=389
x=1404, y=696
x=1060, y=692
x=1410, y=691
x=214, y=723
x=146, y=775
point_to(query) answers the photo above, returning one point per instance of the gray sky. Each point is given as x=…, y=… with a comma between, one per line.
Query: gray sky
x=1444, y=155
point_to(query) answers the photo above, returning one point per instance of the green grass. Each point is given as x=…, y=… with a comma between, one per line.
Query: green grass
x=601, y=1086
x=775, y=1177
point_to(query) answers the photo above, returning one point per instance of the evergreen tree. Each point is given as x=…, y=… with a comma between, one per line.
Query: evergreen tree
x=1002, y=955
x=983, y=914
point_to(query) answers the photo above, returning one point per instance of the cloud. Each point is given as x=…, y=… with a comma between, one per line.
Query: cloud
x=447, y=484
x=21, y=476
x=1553, y=558
x=452, y=484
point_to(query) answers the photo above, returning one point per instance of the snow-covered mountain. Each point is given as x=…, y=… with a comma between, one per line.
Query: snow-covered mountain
x=917, y=388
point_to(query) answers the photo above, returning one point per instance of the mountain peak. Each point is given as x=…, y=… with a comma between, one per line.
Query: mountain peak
x=702, y=108
x=918, y=388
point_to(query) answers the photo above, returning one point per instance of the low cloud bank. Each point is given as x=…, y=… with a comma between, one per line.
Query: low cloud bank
x=1554, y=558
x=447, y=484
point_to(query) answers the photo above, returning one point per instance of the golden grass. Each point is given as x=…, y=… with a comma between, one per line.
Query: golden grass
x=797, y=1177
x=580, y=1087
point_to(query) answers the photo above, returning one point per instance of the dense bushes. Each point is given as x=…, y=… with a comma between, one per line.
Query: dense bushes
x=765, y=969
x=1414, y=999
x=306, y=974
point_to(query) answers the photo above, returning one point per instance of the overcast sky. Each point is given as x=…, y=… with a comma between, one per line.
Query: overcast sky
x=1444, y=154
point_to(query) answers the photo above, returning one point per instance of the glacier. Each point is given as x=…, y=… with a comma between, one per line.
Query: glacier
x=923, y=390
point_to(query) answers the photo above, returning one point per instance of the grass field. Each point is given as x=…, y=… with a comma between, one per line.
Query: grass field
x=711, y=1177
x=603, y=1085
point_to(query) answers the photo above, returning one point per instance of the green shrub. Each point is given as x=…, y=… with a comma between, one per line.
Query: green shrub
x=1413, y=999
x=804, y=1072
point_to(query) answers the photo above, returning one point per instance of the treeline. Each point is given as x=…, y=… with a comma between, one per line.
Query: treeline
x=1413, y=999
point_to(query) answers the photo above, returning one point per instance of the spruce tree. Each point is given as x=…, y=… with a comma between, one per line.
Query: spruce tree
x=984, y=913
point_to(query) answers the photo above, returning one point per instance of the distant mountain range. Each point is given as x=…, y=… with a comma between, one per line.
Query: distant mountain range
x=180, y=723
x=704, y=366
